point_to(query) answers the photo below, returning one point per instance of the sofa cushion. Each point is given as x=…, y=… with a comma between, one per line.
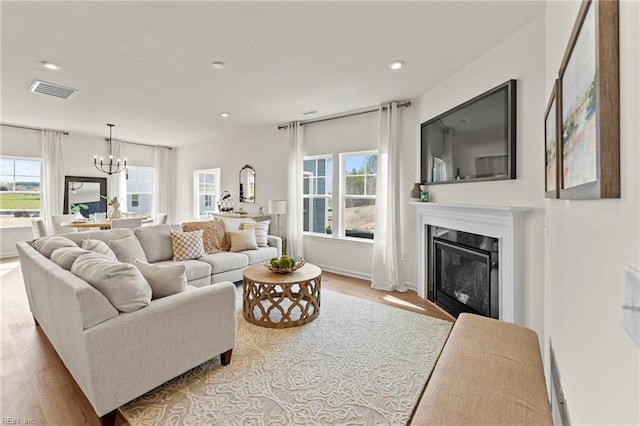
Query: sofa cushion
x=195, y=269
x=65, y=256
x=225, y=261
x=231, y=225
x=164, y=280
x=243, y=240
x=260, y=255
x=187, y=245
x=46, y=245
x=262, y=230
x=156, y=241
x=121, y=283
x=98, y=246
x=126, y=248
x=214, y=235
x=106, y=236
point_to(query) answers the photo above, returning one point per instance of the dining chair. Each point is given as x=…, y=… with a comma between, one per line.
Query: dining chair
x=39, y=228
x=161, y=219
x=129, y=222
x=58, y=220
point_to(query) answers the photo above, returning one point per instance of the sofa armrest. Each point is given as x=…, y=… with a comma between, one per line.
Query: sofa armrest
x=276, y=242
x=135, y=352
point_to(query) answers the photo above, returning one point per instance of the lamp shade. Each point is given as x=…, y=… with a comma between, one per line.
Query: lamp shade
x=277, y=206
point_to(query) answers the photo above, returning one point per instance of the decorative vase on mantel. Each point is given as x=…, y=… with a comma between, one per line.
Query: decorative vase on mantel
x=114, y=211
x=415, y=193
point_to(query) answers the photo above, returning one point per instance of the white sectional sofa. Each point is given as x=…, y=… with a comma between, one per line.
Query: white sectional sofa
x=117, y=356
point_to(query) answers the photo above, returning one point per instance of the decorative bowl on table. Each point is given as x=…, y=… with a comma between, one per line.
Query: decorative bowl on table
x=285, y=264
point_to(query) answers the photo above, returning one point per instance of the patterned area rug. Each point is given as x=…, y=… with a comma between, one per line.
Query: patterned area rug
x=357, y=363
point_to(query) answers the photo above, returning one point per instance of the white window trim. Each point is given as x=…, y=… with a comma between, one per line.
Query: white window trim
x=126, y=192
x=342, y=233
x=196, y=191
x=327, y=196
x=20, y=157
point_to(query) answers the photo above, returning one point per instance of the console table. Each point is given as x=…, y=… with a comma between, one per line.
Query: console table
x=256, y=217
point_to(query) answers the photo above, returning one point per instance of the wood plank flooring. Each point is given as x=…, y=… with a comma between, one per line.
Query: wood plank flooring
x=36, y=387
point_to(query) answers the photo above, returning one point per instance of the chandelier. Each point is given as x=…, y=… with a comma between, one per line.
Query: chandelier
x=109, y=167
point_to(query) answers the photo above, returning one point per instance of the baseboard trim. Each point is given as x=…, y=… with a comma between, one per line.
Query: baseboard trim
x=411, y=286
x=344, y=272
x=8, y=254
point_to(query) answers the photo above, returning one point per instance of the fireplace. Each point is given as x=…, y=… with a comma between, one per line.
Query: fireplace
x=463, y=272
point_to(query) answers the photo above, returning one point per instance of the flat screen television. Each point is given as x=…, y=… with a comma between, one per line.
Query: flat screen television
x=475, y=141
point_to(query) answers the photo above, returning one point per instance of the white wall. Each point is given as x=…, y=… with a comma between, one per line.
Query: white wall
x=78, y=152
x=520, y=57
x=264, y=149
x=587, y=247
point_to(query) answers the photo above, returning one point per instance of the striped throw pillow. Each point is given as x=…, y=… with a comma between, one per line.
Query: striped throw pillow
x=187, y=245
x=262, y=230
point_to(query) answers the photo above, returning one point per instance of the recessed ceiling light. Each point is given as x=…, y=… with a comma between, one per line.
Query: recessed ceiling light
x=224, y=114
x=50, y=66
x=396, y=65
x=218, y=65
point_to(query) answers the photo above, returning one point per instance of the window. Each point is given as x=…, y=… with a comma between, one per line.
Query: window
x=358, y=199
x=318, y=190
x=207, y=191
x=19, y=191
x=139, y=189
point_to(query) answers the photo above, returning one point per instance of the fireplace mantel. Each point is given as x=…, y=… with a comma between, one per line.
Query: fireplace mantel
x=503, y=222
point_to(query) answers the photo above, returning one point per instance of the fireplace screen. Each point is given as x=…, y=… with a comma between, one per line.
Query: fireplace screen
x=462, y=276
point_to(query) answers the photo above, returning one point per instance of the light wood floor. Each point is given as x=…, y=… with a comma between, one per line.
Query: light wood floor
x=35, y=384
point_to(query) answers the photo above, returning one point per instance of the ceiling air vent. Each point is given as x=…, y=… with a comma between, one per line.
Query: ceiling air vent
x=52, y=89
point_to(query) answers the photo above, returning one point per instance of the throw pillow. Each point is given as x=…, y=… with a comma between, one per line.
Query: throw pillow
x=243, y=240
x=187, y=245
x=65, y=256
x=98, y=246
x=121, y=283
x=164, y=280
x=214, y=238
x=126, y=248
x=231, y=225
x=46, y=245
x=261, y=229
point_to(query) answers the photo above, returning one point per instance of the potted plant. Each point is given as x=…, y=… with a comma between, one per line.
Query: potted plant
x=75, y=209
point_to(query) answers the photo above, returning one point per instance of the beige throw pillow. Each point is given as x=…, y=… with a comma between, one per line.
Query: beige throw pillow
x=46, y=245
x=187, y=245
x=164, y=280
x=243, y=240
x=65, y=256
x=214, y=237
x=121, y=283
x=261, y=230
x=98, y=246
x=126, y=248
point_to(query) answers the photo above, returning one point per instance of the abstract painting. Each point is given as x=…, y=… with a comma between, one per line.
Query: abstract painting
x=551, y=146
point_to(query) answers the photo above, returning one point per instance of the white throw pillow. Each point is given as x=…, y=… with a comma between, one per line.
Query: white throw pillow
x=261, y=230
x=231, y=225
x=127, y=248
x=164, y=280
x=46, y=245
x=98, y=246
x=65, y=256
x=121, y=283
x=243, y=240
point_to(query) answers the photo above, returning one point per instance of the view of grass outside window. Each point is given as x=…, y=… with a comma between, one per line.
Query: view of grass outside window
x=318, y=191
x=19, y=191
x=139, y=189
x=207, y=191
x=359, y=196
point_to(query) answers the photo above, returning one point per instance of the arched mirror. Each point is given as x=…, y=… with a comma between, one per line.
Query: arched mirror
x=247, y=184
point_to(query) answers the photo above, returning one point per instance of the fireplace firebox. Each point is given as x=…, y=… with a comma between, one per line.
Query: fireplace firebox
x=463, y=273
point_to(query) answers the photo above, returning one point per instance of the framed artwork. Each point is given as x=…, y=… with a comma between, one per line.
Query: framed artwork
x=551, y=146
x=588, y=99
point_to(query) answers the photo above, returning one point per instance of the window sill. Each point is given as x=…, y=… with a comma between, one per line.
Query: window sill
x=336, y=238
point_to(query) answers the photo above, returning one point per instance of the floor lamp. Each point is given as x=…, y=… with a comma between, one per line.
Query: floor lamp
x=277, y=207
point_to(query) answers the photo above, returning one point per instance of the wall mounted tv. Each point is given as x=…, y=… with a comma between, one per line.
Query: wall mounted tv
x=475, y=141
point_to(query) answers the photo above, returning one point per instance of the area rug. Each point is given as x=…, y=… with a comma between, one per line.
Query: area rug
x=358, y=363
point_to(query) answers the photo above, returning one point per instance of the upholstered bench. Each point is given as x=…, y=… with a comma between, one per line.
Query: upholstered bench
x=489, y=373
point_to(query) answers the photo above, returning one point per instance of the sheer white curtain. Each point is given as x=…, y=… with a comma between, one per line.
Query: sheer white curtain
x=116, y=183
x=387, y=273
x=52, y=181
x=164, y=182
x=294, y=190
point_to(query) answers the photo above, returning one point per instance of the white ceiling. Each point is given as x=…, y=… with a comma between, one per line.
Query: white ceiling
x=146, y=66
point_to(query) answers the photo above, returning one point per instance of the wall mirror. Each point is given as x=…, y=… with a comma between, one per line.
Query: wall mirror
x=247, y=184
x=85, y=190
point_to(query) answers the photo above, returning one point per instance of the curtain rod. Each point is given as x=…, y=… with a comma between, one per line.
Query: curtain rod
x=346, y=114
x=141, y=144
x=31, y=128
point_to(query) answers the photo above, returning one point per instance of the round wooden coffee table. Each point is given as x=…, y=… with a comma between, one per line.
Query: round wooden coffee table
x=281, y=300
